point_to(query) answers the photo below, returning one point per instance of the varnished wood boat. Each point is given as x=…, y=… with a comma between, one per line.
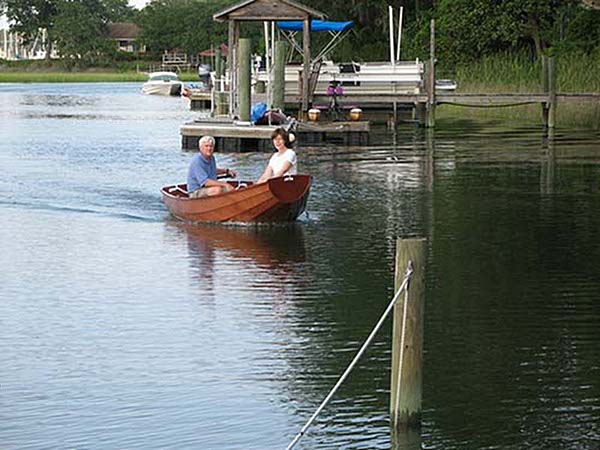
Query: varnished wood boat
x=280, y=199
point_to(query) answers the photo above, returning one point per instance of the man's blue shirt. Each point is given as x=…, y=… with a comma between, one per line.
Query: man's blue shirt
x=201, y=170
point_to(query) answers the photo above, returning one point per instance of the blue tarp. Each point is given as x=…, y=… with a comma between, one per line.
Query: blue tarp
x=316, y=26
x=258, y=111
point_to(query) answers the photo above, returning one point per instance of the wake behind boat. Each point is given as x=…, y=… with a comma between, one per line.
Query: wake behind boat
x=162, y=83
x=280, y=199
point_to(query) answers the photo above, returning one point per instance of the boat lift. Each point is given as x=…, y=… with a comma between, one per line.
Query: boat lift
x=337, y=30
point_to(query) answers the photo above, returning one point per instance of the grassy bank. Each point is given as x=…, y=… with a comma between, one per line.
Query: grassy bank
x=519, y=73
x=96, y=76
x=69, y=77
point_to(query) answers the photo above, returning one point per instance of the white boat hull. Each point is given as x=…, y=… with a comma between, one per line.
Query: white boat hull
x=162, y=88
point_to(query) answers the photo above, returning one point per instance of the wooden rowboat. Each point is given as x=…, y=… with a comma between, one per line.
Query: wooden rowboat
x=280, y=199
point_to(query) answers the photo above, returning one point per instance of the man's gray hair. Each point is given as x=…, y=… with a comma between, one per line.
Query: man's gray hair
x=206, y=138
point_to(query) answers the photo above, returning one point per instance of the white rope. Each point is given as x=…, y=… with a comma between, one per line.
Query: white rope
x=403, y=286
x=399, y=381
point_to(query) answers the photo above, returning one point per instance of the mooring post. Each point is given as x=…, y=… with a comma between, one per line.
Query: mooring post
x=431, y=78
x=548, y=164
x=407, y=344
x=544, y=80
x=279, y=76
x=551, y=92
x=244, y=79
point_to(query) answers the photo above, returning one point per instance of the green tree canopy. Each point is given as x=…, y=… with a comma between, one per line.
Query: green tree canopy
x=76, y=27
x=185, y=25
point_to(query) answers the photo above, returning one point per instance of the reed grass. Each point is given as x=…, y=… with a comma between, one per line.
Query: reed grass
x=96, y=76
x=518, y=72
x=70, y=77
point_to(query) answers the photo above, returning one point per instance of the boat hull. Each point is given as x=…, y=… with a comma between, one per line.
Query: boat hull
x=280, y=199
x=162, y=88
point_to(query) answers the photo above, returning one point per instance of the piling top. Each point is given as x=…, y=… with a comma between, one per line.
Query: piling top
x=267, y=10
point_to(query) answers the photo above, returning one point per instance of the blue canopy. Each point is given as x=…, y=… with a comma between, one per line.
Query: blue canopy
x=316, y=26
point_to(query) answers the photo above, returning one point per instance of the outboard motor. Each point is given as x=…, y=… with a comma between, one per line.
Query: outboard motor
x=204, y=75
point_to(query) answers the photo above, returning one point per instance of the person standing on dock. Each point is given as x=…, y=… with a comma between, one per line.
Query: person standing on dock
x=202, y=179
x=284, y=161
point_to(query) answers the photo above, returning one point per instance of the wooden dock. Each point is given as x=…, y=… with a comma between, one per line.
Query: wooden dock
x=200, y=100
x=235, y=136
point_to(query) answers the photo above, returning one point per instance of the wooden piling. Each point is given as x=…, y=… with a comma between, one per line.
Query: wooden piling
x=549, y=88
x=407, y=345
x=431, y=78
x=244, y=79
x=544, y=83
x=551, y=92
x=279, y=76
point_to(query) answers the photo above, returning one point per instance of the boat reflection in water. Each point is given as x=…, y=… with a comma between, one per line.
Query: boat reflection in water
x=243, y=253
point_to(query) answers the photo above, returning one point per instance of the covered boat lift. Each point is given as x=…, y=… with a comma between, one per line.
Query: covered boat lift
x=267, y=11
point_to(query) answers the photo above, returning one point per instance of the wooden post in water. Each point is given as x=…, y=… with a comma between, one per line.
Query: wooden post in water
x=279, y=76
x=544, y=80
x=551, y=92
x=244, y=79
x=431, y=78
x=549, y=87
x=407, y=344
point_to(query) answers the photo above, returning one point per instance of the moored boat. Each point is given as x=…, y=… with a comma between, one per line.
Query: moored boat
x=162, y=83
x=280, y=199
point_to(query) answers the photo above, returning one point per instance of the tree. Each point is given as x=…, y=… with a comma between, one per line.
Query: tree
x=182, y=24
x=28, y=16
x=80, y=28
x=76, y=26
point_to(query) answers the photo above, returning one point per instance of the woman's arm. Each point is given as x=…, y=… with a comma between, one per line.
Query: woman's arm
x=284, y=168
x=268, y=173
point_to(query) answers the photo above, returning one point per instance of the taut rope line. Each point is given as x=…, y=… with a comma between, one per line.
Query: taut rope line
x=403, y=286
x=401, y=359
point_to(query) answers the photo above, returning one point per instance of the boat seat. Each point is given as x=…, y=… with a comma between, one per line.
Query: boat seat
x=178, y=189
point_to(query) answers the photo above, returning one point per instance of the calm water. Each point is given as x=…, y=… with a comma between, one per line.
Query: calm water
x=123, y=329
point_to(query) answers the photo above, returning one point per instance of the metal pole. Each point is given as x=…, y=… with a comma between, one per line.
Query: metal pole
x=391, y=23
x=399, y=33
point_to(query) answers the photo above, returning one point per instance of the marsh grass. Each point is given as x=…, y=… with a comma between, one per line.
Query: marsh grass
x=80, y=77
x=69, y=77
x=519, y=73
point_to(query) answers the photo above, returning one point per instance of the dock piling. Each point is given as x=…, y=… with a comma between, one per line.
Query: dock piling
x=279, y=77
x=431, y=102
x=407, y=345
x=549, y=88
x=244, y=79
x=551, y=92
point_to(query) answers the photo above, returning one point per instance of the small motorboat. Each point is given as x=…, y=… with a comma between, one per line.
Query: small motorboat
x=163, y=83
x=280, y=199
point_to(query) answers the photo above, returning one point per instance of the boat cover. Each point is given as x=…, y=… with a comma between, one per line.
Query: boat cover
x=315, y=26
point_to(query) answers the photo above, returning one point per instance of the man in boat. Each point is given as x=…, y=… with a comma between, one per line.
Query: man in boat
x=202, y=179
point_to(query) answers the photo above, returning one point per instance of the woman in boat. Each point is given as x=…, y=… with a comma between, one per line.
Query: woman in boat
x=202, y=179
x=284, y=161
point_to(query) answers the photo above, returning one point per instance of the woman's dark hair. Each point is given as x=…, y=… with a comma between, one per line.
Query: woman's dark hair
x=281, y=132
